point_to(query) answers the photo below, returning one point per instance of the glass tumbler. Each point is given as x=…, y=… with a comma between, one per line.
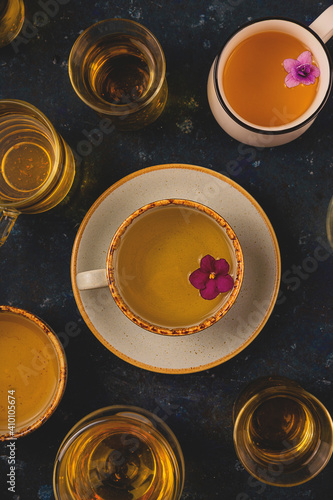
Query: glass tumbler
x=120, y=453
x=283, y=435
x=117, y=68
x=37, y=167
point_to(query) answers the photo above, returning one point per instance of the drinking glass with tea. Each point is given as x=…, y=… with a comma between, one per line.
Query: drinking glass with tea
x=37, y=167
x=117, y=67
x=283, y=435
x=119, y=452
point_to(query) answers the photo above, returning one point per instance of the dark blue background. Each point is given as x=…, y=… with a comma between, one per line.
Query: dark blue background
x=293, y=184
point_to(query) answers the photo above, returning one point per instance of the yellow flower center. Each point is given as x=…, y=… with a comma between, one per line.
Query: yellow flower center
x=212, y=276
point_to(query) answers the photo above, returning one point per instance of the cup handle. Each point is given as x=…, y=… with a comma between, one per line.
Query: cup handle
x=89, y=280
x=323, y=25
x=7, y=221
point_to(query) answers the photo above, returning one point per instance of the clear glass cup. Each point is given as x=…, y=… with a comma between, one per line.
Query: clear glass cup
x=283, y=435
x=37, y=167
x=117, y=67
x=119, y=452
x=11, y=20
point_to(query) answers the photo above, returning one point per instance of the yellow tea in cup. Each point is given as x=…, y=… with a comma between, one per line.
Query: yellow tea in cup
x=154, y=252
x=253, y=80
x=32, y=372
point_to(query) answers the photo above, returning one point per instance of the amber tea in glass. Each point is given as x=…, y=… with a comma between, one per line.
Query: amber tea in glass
x=119, y=453
x=11, y=20
x=117, y=67
x=36, y=165
x=283, y=435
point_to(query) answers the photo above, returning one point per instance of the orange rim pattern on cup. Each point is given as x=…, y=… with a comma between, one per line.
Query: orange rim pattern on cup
x=62, y=378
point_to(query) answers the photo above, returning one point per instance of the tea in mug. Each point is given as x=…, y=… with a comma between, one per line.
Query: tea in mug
x=253, y=80
x=29, y=370
x=156, y=255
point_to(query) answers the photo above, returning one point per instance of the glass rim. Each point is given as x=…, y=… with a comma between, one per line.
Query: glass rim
x=278, y=130
x=13, y=34
x=293, y=389
x=295, y=392
x=56, y=146
x=110, y=109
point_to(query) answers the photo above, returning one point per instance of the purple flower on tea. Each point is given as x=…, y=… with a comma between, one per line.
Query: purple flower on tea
x=300, y=70
x=212, y=277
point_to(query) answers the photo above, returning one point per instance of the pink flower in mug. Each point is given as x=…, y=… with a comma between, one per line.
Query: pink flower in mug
x=300, y=70
x=212, y=277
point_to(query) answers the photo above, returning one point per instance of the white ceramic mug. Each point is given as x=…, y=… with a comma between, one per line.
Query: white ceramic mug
x=313, y=37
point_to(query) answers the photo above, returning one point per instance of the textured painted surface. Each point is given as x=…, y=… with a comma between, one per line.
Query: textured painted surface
x=292, y=183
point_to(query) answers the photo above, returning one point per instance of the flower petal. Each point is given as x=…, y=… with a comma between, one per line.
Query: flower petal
x=301, y=70
x=305, y=57
x=211, y=291
x=207, y=264
x=289, y=64
x=315, y=71
x=199, y=279
x=291, y=81
x=221, y=266
x=309, y=80
x=224, y=283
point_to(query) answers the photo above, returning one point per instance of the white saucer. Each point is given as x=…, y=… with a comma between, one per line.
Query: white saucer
x=237, y=328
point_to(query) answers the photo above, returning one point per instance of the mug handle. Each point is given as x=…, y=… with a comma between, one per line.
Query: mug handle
x=7, y=221
x=88, y=280
x=323, y=25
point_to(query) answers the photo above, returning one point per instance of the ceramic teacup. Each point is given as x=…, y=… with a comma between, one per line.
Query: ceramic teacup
x=33, y=372
x=174, y=267
x=275, y=132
